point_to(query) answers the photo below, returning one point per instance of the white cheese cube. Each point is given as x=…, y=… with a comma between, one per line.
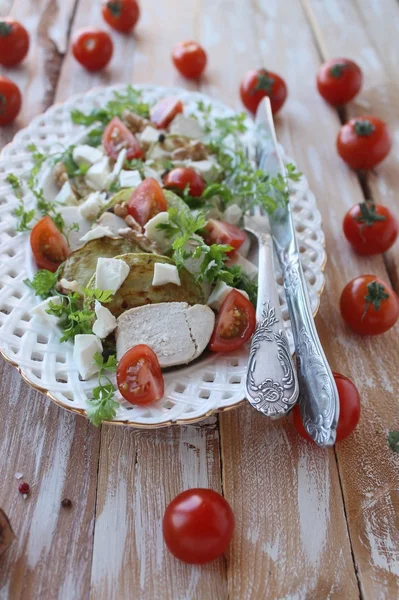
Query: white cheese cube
x=111, y=273
x=85, y=347
x=220, y=293
x=97, y=232
x=186, y=126
x=96, y=176
x=72, y=215
x=69, y=286
x=164, y=273
x=248, y=267
x=129, y=179
x=66, y=195
x=86, y=155
x=232, y=214
x=112, y=222
x=209, y=169
x=150, y=135
x=105, y=322
x=117, y=168
x=148, y=172
x=92, y=206
x=157, y=235
x=40, y=309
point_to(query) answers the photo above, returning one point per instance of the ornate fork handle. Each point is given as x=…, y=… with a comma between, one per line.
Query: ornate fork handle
x=318, y=397
x=271, y=384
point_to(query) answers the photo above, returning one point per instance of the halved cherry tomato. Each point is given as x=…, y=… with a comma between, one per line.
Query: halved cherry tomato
x=235, y=323
x=260, y=83
x=139, y=376
x=49, y=246
x=339, y=80
x=165, y=110
x=92, y=48
x=189, y=59
x=117, y=136
x=122, y=15
x=349, y=409
x=220, y=232
x=146, y=201
x=370, y=228
x=198, y=526
x=363, y=142
x=10, y=100
x=369, y=306
x=181, y=177
x=14, y=42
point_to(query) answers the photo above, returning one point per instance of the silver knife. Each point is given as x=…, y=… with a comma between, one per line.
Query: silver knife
x=318, y=396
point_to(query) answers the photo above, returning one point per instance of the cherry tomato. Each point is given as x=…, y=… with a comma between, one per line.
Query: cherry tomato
x=122, y=15
x=14, y=42
x=117, y=136
x=92, y=48
x=339, y=80
x=235, y=323
x=260, y=83
x=220, y=232
x=49, y=246
x=369, y=306
x=165, y=110
x=189, y=59
x=181, y=177
x=198, y=526
x=349, y=409
x=370, y=228
x=139, y=376
x=146, y=201
x=363, y=142
x=10, y=100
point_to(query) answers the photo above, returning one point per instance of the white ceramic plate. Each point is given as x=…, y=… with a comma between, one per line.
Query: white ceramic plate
x=214, y=382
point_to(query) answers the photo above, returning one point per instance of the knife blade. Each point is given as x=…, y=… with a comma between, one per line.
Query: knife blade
x=318, y=396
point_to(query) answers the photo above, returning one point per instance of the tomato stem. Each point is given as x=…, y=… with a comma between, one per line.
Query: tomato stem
x=337, y=70
x=368, y=214
x=364, y=128
x=375, y=295
x=115, y=8
x=5, y=28
x=264, y=82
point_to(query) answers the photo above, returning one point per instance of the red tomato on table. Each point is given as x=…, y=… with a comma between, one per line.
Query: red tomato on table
x=189, y=59
x=235, y=323
x=363, y=142
x=14, y=42
x=92, y=48
x=369, y=306
x=117, y=136
x=122, y=15
x=139, y=376
x=181, y=177
x=349, y=409
x=198, y=526
x=220, y=232
x=370, y=228
x=339, y=80
x=146, y=201
x=10, y=101
x=260, y=83
x=165, y=110
x=49, y=246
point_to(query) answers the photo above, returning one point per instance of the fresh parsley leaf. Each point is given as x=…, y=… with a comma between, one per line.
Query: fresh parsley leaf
x=15, y=183
x=103, y=406
x=102, y=296
x=131, y=100
x=133, y=165
x=237, y=278
x=73, y=319
x=213, y=259
x=393, y=441
x=109, y=365
x=24, y=217
x=43, y=283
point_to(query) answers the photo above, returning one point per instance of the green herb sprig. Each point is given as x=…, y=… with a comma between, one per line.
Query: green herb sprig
x=103, y=407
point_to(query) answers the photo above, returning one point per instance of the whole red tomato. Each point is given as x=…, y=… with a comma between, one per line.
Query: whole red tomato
x=370, y=228
x=122, y=15
x=364, y=142
x=349, y=409
x=10, y=100
x=189, y=59
x=259, y=83
x=339, y=80
x=369, y=306
x=92, y=48
x=14, y=42
x=198, y=526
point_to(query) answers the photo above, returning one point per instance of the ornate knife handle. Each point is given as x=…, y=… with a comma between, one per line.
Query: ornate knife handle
x=318, y=398
x=271, y=384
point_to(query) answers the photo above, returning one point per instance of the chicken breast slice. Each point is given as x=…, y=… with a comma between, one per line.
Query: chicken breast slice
x=177, y=332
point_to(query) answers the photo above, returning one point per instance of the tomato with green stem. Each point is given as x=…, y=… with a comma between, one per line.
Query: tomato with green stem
x=92, y=48
x=10, y=101
x=259, y=83
x=14, y=42
x=339, y=80
x=49, y=247
x=121, y=15
x=370, y=228
x=363, y=142
x=139, y=376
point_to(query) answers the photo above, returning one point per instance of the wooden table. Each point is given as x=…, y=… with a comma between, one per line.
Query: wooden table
x=310, y=524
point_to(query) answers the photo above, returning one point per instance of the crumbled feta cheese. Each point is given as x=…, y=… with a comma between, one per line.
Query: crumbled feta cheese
x=91, y=207
x=72, y=217
x=105, y=322
x=96, y=176
x=40, y=309
x=97, y=232
x=232, y=214
x=248, y=267
x=69, y=286
x=129, y=179
x=111, y=273
x=117, y=168
x=164, y=273
x=186, y=126
x=113, y=222
x=150, y=135
x=219, y=294
x=148, y=172
x=66, y=195
x=209, y=169
x=157, y=235
x=86, y=155
x=85, y=347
